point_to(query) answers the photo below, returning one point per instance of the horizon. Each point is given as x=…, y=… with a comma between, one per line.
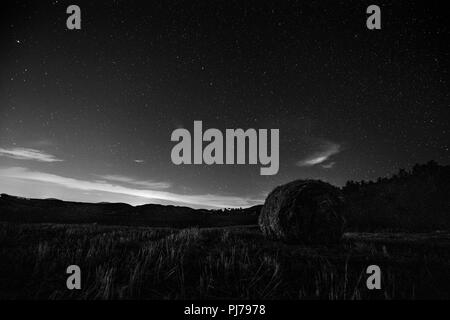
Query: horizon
x=177, y=204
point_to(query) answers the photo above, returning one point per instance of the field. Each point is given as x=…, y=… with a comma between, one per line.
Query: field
x=120, y=262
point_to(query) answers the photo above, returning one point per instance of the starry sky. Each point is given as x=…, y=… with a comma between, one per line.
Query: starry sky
x=87, y=115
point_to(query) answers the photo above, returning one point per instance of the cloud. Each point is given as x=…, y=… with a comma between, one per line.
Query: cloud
x=128, y=180
x=28, y=154
x=329, y=165
x=203, y=200
x=139, y=161
x=326, y=150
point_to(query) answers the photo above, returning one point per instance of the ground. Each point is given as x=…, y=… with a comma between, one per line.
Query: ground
x=215, y=263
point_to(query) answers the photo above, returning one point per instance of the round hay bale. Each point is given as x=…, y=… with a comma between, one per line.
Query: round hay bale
x=303, y=211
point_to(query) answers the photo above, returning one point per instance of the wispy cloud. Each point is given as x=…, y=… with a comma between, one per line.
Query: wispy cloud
x=141, y=183
x=139, y=161
x=28, y=154
x=324, y=152
x=329, y=165
x=203, y=200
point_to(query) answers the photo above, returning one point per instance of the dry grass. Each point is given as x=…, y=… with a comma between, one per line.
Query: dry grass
x=236, y=263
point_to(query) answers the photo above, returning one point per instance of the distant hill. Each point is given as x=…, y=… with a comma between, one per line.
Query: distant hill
x=24, y=210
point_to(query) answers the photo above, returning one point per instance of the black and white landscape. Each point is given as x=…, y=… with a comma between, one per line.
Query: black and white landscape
x=399, y=223
x=224, y=150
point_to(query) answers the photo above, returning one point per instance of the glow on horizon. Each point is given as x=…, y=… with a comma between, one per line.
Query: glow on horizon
x=113, y=187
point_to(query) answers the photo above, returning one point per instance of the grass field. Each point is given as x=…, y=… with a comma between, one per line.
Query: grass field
x=217, y=263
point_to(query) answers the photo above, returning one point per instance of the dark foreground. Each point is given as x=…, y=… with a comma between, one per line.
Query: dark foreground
x=235, y=262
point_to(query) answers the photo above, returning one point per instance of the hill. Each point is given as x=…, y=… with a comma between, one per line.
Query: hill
x=24, y=210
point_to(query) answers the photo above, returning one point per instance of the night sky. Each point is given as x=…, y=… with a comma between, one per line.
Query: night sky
x=87, y=115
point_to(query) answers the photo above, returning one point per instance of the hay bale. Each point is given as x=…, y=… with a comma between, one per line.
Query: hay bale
x=303, y=211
